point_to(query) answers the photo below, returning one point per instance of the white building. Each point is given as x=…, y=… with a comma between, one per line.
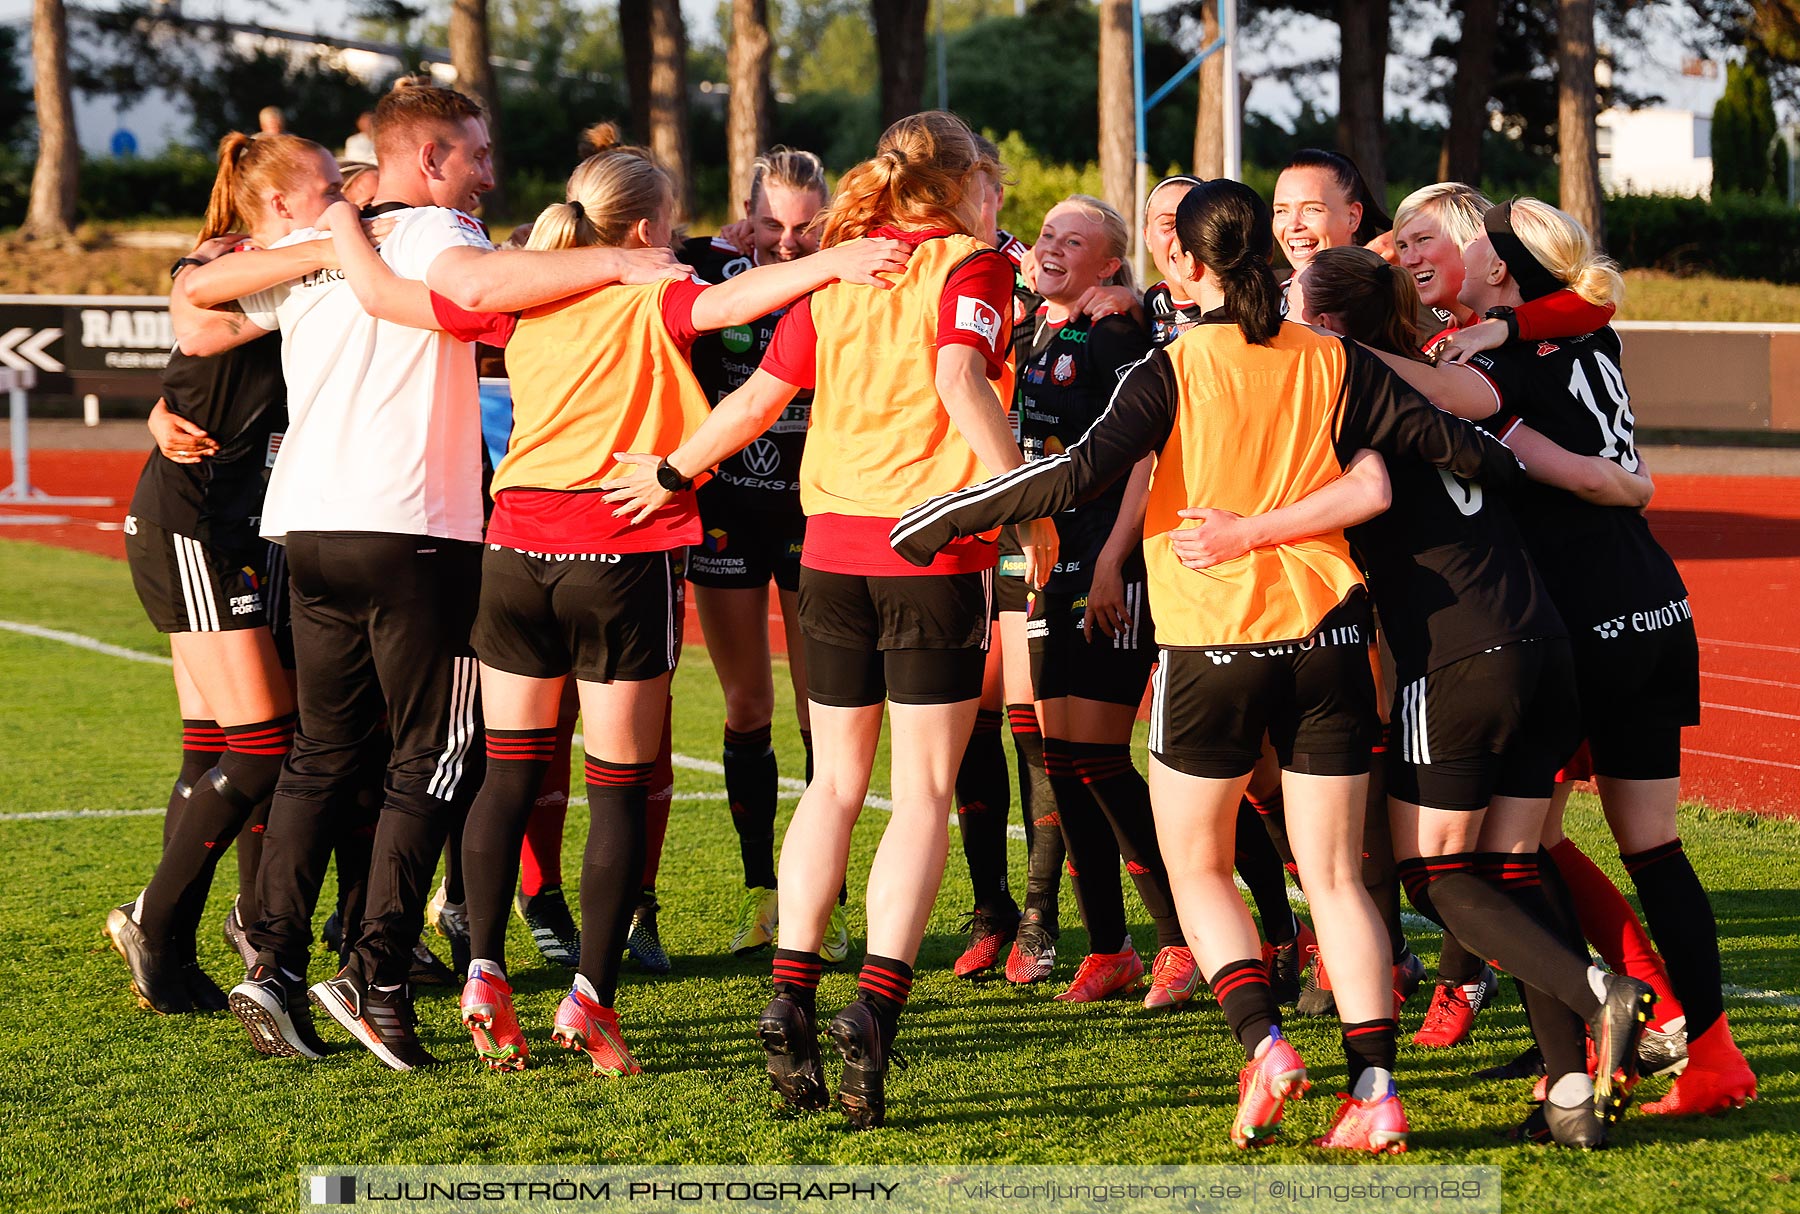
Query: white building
x=1656, y=151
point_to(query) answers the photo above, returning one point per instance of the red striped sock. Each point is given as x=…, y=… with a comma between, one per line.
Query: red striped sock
x=885, y=982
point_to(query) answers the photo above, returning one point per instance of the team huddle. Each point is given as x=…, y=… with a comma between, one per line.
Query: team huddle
x=1372, y=539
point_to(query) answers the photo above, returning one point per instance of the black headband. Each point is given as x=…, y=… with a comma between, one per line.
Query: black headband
x=1534, y=280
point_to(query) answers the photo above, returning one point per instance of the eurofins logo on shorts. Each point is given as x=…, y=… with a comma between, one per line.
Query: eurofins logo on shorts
x=1675, y=611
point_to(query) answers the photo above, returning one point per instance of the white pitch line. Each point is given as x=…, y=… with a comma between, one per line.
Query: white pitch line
x=63, y=815
x=1760, y=996
x=84, y=642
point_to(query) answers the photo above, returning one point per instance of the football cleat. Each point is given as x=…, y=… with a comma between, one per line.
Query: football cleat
x=1664, y=1051
x=1316, y=997
x=546, y=915
x=156, y=974
x=428, y=969
x=867, y=1052
x=1527, y=1064
x=1174, y=978
x=273, y=1009
x=1409, y=975
x=989, y=934
x=790, y=1038
x=1615, y=1029
x=1287, y=962
x=237, y=936
x=1033, y=953
x=1577, y=1126
x=1103, y=974
x=487, y=1012
x=383, y=1021
x=1376, y=1126
x=582, y=1024
x=642, y=940
x=758, y=916
x=1717, y=1077
x=835, y=948
x=451, y=921
x=1451, y=1017
x=1268, y=1081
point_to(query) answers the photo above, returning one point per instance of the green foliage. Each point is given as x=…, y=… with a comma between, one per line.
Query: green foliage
x=1037, y=185
x=173, y=185
x=15, y=93
x=1734, y=236
x=1743, y=135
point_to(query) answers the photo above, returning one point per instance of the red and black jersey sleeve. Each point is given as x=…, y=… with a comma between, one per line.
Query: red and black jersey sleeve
x=488, y=328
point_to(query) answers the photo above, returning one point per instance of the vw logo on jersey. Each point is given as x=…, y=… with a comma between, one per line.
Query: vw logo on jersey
x=762, y=457
x=1064, y=370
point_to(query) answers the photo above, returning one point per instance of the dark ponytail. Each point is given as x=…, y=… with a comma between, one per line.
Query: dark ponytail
x=1349, y=179
x=1224, y=225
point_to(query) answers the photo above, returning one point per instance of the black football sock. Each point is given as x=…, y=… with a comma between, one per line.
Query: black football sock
x=612, y=868
x=796, y=975
x=886, y=983
x=202, y=742
x=1259, y=864
x=222, y=800
x=983, y=804
x=1123, y=796
x=1369, y=1044
x=1043, y=832
x=517, y=760
x=751, y=779
x=1242, y=989
x=1093, y=852
x=1680, y=918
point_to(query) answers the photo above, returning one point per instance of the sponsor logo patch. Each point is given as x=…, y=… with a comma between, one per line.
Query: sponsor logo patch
x=979, y=317
x=1064, y=370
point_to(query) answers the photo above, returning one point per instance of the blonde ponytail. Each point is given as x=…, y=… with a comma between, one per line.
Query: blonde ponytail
x=921, y=176
x=1566, y=249
x=608, y=194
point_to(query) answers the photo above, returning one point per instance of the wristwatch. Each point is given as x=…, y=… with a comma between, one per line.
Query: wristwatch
x=670, y=479
x=185, y=261
x=1505, y=312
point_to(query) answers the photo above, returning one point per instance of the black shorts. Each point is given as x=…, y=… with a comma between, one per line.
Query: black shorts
x=912, y=640
x=278, y=605
x=599, y=617
x=1314, y=699
x=1500, y=723
x=186, y=586
x=1639, y=679
x=1010, y=591
x=1064, y=662
x=744, y=549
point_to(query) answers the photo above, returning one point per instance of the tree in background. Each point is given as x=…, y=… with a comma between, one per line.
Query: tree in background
x=1209, y=116
x=1744, y=135
x=1471, y=88
x=747, y=127
x=1118, y=112
x=1363, y=29
x=1578, y=104
x=635, y=41
x=900, y=46
x=472, y=57
x=669, y=100
x=51, y=214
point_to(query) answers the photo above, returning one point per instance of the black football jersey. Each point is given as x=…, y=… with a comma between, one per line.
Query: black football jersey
x=1449, y=570
x=1168, y=320
x=1067, y=374
x=766, y=474
x=1601, y=563
x=240, y=399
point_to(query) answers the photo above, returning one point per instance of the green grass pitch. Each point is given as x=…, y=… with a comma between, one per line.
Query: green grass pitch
x=111, y=1108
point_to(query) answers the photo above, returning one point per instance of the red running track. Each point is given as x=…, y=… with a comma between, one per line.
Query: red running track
x=1736, y=539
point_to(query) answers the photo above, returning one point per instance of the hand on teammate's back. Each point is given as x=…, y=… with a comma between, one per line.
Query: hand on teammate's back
x=865, y=260
x=1219, y=538
x=645, y=266
x=634, y=490
x=179, y=439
